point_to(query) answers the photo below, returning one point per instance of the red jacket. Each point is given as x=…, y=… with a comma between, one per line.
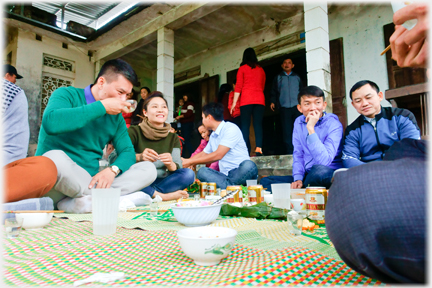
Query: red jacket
x=128, y=118
x=250, y=83
x=236, y=111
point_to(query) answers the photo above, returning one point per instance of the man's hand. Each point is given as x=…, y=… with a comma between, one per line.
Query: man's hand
x=186, y=163
x=311, y=120
x=297, y=184
x=114, y=106
x=149, y=155
x=166, y=158
x=272, y=106
x=410, y=47
x=103, y=179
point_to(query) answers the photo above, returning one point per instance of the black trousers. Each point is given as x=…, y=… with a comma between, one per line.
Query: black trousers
x=257, y=113
x=288, y=116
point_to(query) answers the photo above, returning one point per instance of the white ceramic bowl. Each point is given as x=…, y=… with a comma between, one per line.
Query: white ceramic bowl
x=34, y=220
x=196, y=216
x=207, y=246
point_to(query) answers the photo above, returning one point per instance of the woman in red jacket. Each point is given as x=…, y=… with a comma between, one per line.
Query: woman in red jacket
x=250, y=83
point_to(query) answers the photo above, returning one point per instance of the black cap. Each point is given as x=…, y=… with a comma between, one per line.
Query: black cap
x=11, y=70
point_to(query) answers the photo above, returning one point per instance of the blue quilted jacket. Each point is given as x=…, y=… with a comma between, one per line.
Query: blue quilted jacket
x=363, y=143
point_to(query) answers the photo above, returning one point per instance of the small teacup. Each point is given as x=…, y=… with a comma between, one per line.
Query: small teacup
x=298, y=204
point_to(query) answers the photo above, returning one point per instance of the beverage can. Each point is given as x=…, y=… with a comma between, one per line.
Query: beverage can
x=237, y=198
x=316, y=200
x=255, y=194
x=203, y=189
x=211, y=189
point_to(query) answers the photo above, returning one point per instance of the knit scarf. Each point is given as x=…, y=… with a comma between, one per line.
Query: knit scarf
x=154, y=133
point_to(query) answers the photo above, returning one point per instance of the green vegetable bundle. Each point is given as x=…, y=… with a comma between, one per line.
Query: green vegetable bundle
x=194, y=188
x=259, y=211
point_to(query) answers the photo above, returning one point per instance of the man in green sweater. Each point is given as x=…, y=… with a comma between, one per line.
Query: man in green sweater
x=77, y=124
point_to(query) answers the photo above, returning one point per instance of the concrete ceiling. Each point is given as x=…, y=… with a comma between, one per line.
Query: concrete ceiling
x=224, y=25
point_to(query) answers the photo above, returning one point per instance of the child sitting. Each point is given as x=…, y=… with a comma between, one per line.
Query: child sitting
x=205, y=134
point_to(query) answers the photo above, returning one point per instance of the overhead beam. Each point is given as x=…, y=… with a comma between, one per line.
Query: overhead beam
x=174, y=18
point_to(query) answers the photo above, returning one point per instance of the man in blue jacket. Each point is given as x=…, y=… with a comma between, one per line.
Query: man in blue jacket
x=370, y=136
x=317, y=140
x=285, y=89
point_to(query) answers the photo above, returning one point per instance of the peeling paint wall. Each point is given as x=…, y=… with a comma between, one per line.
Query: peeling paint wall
x=29, y=64
x=221, y=59
x=361, y=27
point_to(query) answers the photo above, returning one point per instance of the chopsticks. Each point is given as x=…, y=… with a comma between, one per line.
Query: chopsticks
x=34, y=211
x=385, y=50
x=145, y=211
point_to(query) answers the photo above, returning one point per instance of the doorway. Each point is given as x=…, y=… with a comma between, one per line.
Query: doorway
x=272, y=127
x=200, y=92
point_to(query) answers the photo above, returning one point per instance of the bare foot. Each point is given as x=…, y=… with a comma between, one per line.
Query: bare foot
x=173, y=195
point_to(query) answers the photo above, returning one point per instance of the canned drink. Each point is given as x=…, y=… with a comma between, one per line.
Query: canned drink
x=255, y=194
x=211, y=189
x=316, y=200
x=203, y=189
x=237, y=198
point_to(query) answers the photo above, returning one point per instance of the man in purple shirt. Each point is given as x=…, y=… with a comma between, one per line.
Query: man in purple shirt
x=317, y=140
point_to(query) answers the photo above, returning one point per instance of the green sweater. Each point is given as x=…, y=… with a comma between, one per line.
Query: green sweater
x=82, y=130
x=169, y=144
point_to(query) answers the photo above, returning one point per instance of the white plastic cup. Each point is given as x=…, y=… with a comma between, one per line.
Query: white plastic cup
x=105, y=208
x=251, y=182
x=281, y=195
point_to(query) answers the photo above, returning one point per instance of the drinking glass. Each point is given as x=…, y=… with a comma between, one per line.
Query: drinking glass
x=296, y=221
x=154, y=208
x=196, y=197
x=103, y=163
x=13, y=227
x=133, y=105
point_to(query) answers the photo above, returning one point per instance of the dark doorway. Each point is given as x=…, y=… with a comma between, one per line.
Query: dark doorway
x=199, y=92
x=272, y=136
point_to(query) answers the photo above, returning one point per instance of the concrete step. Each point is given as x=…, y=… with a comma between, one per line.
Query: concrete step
x=275, y=165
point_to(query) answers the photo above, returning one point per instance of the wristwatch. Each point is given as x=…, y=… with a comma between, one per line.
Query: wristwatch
x=115, y=169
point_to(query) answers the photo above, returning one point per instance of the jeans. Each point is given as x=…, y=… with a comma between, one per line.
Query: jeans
x=257, y=112
x=187, y=129
x=178, y=180
x=319, y=175
x=288, y=116
x=247, y=170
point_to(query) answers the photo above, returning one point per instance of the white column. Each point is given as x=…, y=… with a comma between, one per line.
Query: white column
x=318, y=48
x=165, y=66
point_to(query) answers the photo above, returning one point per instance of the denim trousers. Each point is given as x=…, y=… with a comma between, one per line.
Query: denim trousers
x=177, y=180
x=319, y=175
x=247, y=170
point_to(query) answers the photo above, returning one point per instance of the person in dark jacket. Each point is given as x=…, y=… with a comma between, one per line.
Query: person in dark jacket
x=369, y=137
x=317, y=142
x=285, y=88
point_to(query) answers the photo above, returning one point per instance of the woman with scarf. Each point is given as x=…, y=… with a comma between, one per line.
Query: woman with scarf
x=154, y=142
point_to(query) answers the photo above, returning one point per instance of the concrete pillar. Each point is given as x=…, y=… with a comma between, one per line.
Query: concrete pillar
x=165, y=67
x=318, y=48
